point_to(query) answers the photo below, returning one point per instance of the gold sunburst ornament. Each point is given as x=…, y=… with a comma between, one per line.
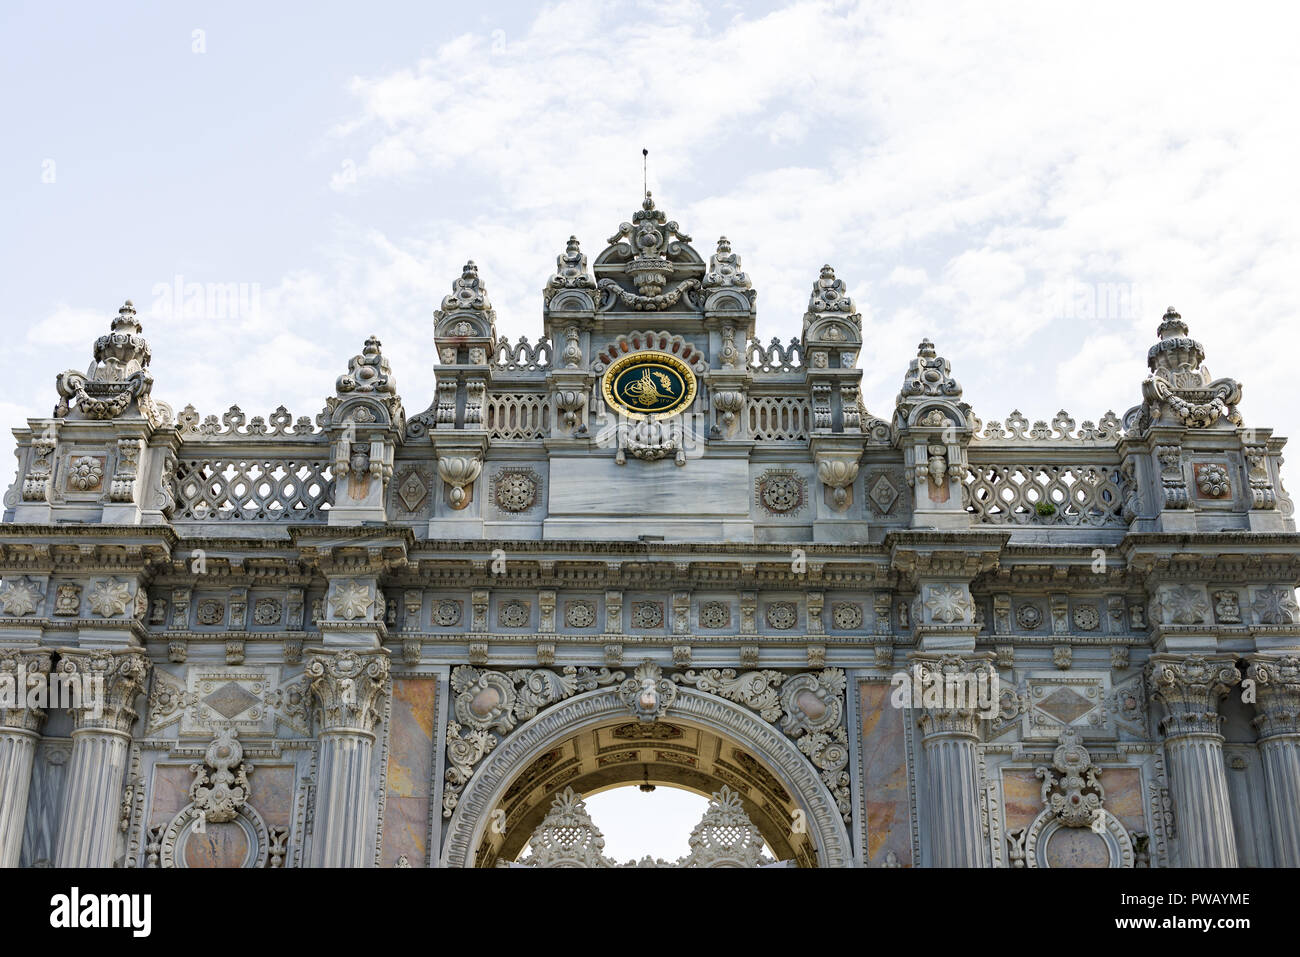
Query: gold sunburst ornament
x=649, y=383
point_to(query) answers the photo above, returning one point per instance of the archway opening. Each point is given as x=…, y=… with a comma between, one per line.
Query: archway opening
x=608, y=764
x=636, y=824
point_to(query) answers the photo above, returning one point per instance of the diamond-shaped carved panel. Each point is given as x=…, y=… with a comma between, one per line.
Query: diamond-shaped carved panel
x=1066, y=705
x=230, y=700
x=412, y=490
x=883, y=494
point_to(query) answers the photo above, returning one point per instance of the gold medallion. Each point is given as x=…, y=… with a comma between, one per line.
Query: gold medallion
x=649, y=383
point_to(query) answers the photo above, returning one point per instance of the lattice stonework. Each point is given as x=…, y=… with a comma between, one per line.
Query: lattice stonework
x=242, y=490
x=1045, y=494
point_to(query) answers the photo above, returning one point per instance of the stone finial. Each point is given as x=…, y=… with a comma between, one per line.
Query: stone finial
x=929, y=375
x=368, y=372
x=830, y=294
x=468, y=293
x=118, y=376
x=1179, y=390
x=571, y=269
x=724, y=269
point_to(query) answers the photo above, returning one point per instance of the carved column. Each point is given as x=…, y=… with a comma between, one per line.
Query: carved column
x=1277, y=705
x=1189, y=688
x=950, y=728
x=19, y=733
x=349, y=687
x=109, y=682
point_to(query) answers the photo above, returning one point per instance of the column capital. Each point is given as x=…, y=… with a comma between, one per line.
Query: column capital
x=18, y=666
x=1189, y=687
x=109, y=682
x=1277, y=693
x=952, y=691
x=349, y=686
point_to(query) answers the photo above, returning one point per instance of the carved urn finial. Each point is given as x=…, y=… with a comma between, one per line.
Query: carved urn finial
x=1179, y=390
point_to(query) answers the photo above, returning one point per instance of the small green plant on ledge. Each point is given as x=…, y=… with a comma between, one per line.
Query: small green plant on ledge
x=1045, y=509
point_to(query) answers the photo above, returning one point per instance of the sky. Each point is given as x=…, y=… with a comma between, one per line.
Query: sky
x=1027, y=184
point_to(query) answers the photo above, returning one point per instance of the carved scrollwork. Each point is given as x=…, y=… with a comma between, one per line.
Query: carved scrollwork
x=219, y=796
x=489, y=704
x=808, y=707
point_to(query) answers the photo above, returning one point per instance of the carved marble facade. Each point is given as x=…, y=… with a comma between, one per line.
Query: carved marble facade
x=648, y=546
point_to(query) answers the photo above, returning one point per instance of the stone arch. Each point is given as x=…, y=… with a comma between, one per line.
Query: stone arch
x=557, y=724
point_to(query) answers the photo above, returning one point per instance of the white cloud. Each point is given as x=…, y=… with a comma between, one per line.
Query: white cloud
x=966, y=170
x=908, y=276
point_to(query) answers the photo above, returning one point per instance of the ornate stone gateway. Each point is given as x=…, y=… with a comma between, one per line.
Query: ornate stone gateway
x=647, y=547
x=702, y=730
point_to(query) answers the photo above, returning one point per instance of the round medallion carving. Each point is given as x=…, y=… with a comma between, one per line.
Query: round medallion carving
x=1029, y=616
x=781, y=493
x=649, y=383
x=516, y=491
x=846, y=616
x=514, y=614
x=579, y=614
x=715, y=614
x=446, y=613
x=1086, y=617
x=782, y=615
x=211, y=612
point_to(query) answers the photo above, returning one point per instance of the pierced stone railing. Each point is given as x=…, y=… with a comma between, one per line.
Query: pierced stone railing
x=234, y=424
x=1017, y=428
x=778, y=418
x=522, y=357
x=250, y=489
x=517, y=415
x=1046, y=494
x=774, y=357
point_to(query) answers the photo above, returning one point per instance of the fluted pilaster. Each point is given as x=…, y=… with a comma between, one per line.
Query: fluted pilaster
x=92, y=795
x=1190, y=688
x=19, y=734
x=950, y=740
x=349, y=686
x=101, y=737
x=1277, y=706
